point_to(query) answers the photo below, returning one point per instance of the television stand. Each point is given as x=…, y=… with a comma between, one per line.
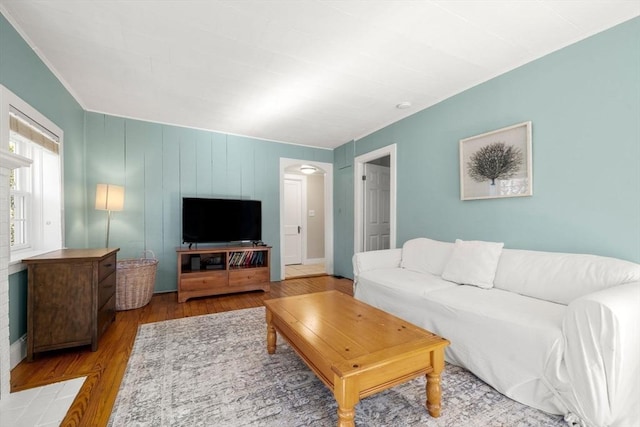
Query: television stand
x=222, y=270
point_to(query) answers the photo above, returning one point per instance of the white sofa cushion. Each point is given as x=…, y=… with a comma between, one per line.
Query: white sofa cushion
x=510, y=341
x=400, y=291
x=426, y=255
x=402, y=280
x=473, y=263
x=560, y=277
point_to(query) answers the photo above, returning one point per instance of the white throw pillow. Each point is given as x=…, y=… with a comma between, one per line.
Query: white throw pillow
x=425, y=255
x=473, y=263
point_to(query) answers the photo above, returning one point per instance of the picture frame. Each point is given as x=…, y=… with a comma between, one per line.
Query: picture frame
x=497, y=164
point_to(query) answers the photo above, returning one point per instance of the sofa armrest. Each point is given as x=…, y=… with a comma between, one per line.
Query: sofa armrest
x=374, y=260
x=602, y=356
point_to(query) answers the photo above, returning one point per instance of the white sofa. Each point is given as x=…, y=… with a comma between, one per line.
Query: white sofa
x=558, y=332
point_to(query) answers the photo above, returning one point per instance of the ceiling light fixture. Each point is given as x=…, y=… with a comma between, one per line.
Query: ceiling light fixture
x=403, y=105
x=307, y=169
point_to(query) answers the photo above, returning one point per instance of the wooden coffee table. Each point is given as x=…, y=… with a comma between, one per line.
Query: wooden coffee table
x=356, y=349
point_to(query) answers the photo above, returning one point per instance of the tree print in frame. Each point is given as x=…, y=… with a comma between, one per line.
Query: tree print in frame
x=497, y=164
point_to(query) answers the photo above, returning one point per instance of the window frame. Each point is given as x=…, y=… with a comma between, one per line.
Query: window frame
x=8, y=100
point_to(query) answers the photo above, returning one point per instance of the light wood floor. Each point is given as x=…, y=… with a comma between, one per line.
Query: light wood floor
x=303, y=270
x=105, y=368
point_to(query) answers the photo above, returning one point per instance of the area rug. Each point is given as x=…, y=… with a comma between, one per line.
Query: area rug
x=214, y=370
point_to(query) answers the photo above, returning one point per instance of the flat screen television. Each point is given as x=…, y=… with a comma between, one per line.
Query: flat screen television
x=221, y=220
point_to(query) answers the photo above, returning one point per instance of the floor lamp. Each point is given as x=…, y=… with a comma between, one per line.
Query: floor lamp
x=109, y=198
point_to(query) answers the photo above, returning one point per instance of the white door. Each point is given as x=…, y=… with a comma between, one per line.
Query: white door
x=292, y=222
x=376, y=207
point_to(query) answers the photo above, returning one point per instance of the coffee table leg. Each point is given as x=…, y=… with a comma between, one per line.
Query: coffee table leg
x=347, y=396
x=434, y=392
x=271, y=334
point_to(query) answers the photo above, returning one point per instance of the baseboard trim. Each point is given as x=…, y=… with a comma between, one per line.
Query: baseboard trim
x=18, y=351
x=313, y=261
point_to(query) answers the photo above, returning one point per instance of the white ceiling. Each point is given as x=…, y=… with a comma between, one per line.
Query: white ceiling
x=310, y=72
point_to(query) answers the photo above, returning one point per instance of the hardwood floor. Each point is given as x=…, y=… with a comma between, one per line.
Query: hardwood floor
x=105, y=367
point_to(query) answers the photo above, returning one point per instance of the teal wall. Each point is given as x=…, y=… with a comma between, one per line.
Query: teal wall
x=24, y=74
x=18, y=307
x=343, y=194
x=159, y=164
x=584, y=104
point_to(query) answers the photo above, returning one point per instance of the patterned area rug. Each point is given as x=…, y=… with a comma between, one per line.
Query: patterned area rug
x=214, y=370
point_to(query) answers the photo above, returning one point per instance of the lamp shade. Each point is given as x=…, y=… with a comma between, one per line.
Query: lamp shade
x=109, y=197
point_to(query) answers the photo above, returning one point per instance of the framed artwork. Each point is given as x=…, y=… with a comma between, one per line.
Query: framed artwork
x=497, y=164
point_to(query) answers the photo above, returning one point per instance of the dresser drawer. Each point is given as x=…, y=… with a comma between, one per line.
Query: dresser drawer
x=199, y=281
x=106, y=267
x=106, y=314
x=248, y=276
x=106, y=289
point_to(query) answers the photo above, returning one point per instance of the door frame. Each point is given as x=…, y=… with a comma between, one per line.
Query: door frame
x=358, y=194
x=328, y=209
x=302, y=179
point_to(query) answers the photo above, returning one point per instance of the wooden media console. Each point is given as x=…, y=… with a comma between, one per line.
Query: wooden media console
x=222, y=270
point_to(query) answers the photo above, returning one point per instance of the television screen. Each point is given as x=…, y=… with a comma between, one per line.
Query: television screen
x=221, y=220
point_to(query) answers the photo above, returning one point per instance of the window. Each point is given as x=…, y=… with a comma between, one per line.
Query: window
x=35, y=192
x=19, y=192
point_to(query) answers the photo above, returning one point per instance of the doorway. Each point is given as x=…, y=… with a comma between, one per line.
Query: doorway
x=375, y=200
x=294, y=229
x=306, y=218
x=376, y=181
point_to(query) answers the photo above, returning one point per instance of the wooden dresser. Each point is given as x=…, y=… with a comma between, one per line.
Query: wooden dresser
x=71, y=298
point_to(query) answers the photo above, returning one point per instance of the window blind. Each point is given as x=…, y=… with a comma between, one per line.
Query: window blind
x=32, y=130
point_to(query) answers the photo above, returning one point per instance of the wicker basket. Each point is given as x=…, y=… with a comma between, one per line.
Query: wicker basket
x=135, y=281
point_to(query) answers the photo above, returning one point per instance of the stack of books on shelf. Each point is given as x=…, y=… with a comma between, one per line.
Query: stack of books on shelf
x=246, y=259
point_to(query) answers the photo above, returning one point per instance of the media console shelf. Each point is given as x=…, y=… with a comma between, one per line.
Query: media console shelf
x=222, y=270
